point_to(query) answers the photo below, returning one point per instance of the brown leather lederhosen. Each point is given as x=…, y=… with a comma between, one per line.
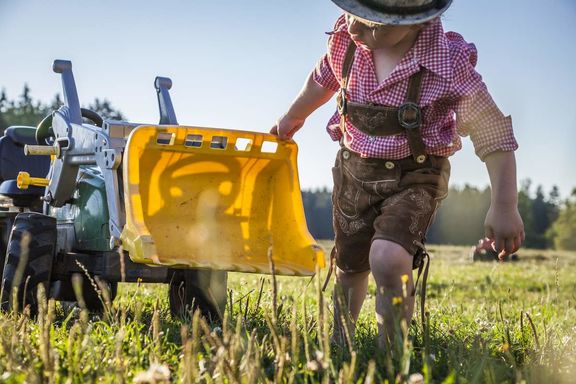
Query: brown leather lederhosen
x=378, y=120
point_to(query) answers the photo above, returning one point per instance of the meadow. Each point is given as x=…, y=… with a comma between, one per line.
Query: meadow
x=489, y=322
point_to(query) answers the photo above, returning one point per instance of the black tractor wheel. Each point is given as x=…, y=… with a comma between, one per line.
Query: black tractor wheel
x=29, y=258
x=5, y=228
x=63, y=290
x=202, y=289
x=94, y=301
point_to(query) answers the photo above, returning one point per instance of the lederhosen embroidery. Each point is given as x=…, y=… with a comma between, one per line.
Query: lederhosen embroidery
x=379, y=120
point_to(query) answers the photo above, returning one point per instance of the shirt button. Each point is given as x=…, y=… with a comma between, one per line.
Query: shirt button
x=389, y=165
x=371, y=139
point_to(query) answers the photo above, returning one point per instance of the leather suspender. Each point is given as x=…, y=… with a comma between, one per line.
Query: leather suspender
x=341, y=99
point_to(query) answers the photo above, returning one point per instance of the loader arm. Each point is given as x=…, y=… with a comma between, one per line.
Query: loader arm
x=77, y=144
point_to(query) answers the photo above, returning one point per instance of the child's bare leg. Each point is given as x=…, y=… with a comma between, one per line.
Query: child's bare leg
x=352, y=286
x=389, y=261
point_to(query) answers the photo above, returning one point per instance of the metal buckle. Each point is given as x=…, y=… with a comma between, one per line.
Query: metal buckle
x=411, y=109
x=341, y=101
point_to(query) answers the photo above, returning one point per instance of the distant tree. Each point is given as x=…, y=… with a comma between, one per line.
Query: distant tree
x=525, y=209
x=3, y=99
x=318, y=211
x=23, y=111
x=538, y=214
x=3, y=125
x=545, y=212
x=56, y=102
x=26, y=111
x=105, y=109
x=563, y=230
x=554, y=196
x=460, y=218
x=3, y=104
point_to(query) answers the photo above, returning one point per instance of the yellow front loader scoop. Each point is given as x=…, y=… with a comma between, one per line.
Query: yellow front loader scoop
x=215, y=198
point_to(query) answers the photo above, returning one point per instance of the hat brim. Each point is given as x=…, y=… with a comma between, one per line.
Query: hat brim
x=356, y=8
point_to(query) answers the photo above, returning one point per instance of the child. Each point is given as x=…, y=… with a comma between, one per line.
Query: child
x=406, y=91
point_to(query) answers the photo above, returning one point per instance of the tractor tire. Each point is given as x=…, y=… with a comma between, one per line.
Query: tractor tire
x=29, y=265
x=63, y=290
x=93, y=302
x=5, y=228
x=202, y=289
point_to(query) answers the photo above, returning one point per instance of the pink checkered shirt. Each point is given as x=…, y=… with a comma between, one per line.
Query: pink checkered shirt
x=454, y=100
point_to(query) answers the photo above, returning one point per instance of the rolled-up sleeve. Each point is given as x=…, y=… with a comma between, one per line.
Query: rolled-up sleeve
x=328, y=66
x=324, y=76
x=477, y=115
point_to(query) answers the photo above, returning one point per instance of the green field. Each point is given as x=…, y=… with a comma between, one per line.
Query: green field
x=490, y=323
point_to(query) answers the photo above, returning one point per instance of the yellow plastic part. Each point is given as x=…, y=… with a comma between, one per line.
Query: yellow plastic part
x=215, y=198
x=23, y=181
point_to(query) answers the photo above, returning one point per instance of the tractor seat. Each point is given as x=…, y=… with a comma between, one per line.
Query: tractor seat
x=13, y=160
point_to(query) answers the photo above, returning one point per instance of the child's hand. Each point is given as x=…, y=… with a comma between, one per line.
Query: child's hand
x=286, y=127
x=504, y=227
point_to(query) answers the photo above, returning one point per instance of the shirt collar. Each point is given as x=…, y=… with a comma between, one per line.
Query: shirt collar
x=431, y=50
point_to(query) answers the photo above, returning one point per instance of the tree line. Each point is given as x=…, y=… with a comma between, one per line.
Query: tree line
x=24, y=110
x=549, y=221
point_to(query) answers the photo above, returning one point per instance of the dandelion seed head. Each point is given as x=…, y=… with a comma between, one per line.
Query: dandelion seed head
x=157, y=373
x=202, y=366
x=416, y=378
x=313, y=365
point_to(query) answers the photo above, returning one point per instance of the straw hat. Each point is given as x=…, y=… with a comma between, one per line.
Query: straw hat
x=395, y=12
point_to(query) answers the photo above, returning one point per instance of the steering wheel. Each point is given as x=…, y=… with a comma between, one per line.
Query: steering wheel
x=45, y=134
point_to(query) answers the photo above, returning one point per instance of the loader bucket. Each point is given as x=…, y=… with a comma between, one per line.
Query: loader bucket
x=214, y=198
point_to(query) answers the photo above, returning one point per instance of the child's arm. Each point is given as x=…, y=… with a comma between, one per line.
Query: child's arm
x=503, y=223
x=310, y=98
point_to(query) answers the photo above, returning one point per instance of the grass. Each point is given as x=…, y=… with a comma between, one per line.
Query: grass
x=489, y=323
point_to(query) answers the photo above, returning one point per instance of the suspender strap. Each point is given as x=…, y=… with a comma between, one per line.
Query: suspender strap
x=332, y=268
x=424, y=267
x=341, y=99
x=414, y=87
x=410, y=118
x=347, y=65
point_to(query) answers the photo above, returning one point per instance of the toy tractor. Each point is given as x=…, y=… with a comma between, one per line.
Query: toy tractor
x=113, y=201
x=483, y=251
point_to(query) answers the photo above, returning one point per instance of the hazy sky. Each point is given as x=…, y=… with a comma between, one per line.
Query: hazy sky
x=238, y=64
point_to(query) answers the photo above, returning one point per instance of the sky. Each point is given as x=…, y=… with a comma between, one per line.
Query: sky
x=239, y=64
